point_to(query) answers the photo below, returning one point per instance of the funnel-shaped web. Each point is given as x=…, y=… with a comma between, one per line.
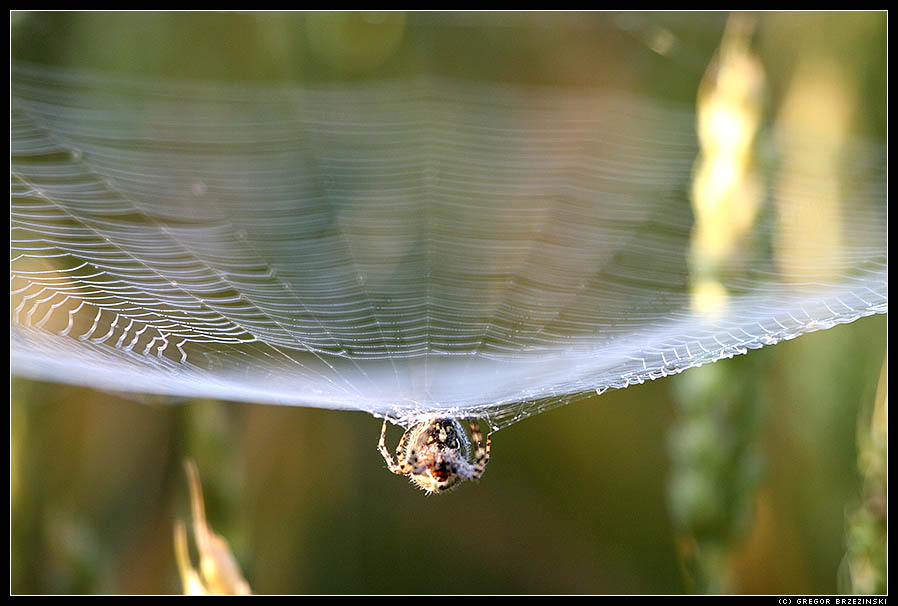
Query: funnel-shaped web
x=397, y=247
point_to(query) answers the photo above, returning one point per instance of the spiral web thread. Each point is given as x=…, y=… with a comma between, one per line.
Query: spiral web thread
x=399, y=247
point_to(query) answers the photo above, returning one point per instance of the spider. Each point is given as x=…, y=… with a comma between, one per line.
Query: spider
x=434, y=453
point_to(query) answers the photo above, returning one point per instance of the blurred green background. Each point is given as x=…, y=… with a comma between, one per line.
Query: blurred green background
x=575, y=500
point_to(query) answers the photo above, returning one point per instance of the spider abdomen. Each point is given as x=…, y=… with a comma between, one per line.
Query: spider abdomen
x=439, y=434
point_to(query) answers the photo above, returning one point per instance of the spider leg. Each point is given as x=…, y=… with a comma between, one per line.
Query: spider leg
x=408, y=464
x=401, y=447
x=382, y=447
x=411, y=464
x=482, y=455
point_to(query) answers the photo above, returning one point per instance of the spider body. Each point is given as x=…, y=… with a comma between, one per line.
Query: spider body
x=434, y=454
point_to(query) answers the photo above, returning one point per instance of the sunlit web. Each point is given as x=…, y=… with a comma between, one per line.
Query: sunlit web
x=397, y=247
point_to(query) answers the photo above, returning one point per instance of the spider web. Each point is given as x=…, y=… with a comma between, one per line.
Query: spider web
x=398, y=247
